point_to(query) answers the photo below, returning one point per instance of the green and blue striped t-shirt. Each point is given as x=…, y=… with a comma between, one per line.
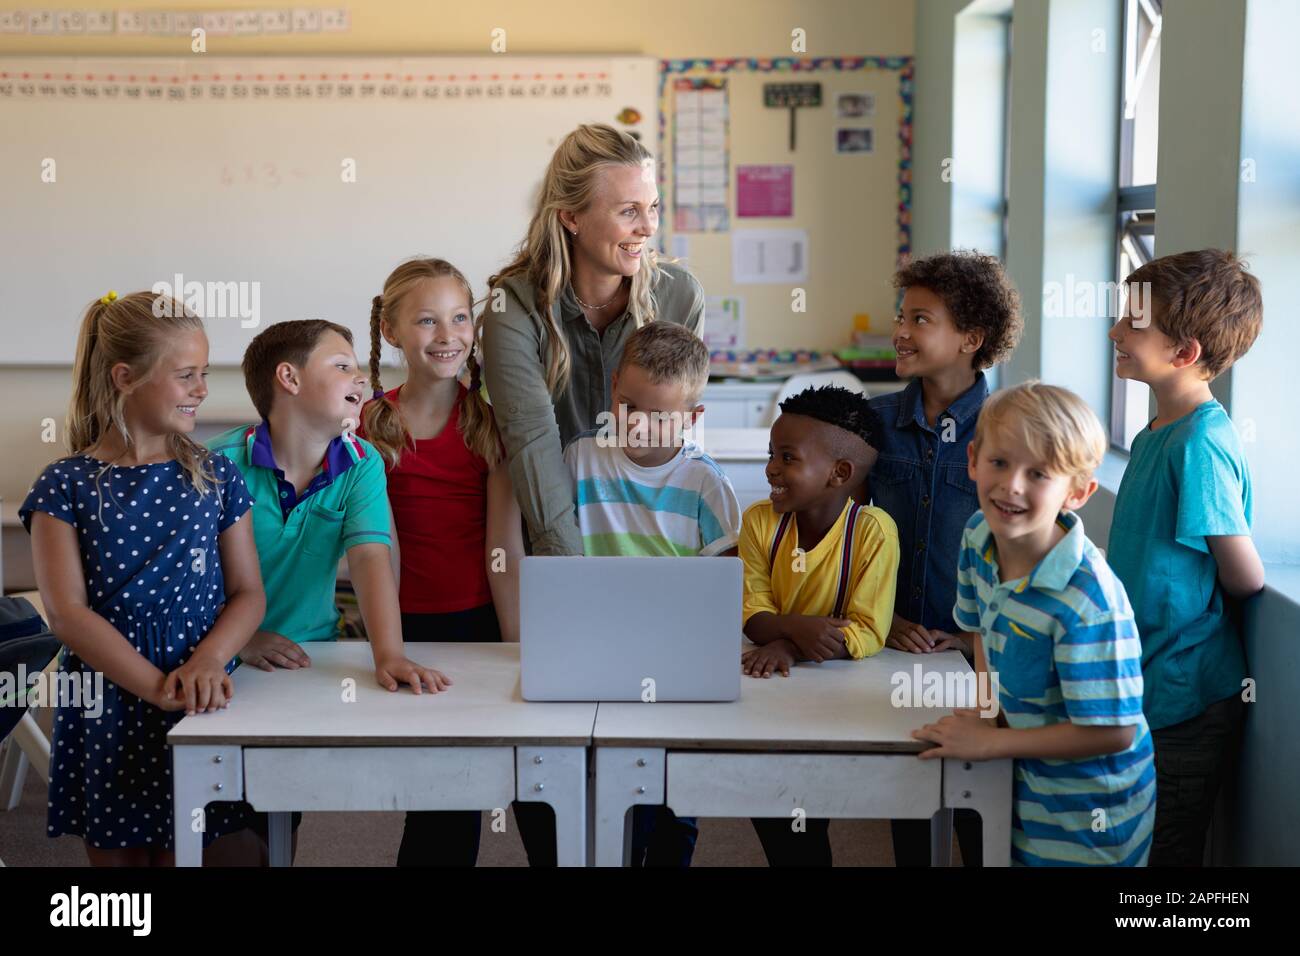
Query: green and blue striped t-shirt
x=683, y=507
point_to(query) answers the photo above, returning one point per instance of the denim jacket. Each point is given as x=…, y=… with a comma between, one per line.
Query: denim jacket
x=921, y=481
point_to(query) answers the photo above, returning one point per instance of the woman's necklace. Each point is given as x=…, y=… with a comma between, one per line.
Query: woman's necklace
x=597, y=308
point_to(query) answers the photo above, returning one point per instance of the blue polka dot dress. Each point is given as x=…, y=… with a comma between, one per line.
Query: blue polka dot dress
x=152, y=566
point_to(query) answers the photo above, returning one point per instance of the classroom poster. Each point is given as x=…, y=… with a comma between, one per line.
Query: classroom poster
x=724, y=323
x=769, y=255
x=700, y=155
x=764, y=191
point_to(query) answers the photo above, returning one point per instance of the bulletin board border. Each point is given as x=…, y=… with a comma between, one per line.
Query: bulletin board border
x=903, y=65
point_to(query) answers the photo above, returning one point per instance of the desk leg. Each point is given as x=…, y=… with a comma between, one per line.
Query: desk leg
x=984, y=786
x=625, y=777
x=941, y=838
x=558, y=776
x=201, y=774
x=279, y=838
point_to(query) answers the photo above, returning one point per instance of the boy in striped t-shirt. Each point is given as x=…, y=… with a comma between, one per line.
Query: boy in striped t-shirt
x=1054, y=624
x=640, y=487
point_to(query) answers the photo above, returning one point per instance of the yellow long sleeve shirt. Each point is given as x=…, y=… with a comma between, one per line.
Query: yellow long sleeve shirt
x=781, y=579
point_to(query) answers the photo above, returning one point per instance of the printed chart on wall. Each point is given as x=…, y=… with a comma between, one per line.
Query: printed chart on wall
x=790, y=186
x=700, y=155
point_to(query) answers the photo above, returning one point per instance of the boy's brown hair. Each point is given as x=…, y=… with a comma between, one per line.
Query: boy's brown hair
x=290, y=342
x=978, y=295
x=668, y=352
x=1206, y=295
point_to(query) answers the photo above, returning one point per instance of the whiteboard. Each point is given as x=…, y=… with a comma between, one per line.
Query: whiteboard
x=230, y=174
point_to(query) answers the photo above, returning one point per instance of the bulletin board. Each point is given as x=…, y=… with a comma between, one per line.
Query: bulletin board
x=849, y=192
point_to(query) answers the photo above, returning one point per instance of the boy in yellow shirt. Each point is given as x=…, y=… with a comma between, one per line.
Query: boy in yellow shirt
x=820, y=569
x=818, y=565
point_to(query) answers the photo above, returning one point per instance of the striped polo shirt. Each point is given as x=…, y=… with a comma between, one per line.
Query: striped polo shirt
x=685, y=506
x=1064, y=645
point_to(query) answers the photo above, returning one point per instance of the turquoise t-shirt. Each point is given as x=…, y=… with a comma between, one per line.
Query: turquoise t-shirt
x=1184, y=483
x=300, y=538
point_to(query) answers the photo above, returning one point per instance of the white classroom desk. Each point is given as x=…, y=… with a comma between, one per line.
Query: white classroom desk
x=290, y=741
x=826, y=739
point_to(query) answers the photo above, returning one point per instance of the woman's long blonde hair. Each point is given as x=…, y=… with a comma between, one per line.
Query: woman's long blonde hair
x=545, y=257
x=132, y=330
x=385, y=426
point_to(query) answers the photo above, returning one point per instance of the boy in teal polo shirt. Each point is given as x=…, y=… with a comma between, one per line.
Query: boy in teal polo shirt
x=319, y=492
x=1180, y=538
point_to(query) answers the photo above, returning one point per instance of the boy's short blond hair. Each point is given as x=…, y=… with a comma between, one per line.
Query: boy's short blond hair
x=1056, y=425
x=668, y=353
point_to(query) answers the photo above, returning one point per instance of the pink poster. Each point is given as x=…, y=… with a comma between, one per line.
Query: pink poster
x=764, y=190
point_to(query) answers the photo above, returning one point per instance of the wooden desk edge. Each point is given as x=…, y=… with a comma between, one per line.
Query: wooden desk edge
x=765, y=746
x=290, y=740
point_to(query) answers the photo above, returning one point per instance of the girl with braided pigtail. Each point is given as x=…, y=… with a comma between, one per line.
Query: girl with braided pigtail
x=459, y=530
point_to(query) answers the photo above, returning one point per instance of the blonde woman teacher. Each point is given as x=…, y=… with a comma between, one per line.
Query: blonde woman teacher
x=583, y=280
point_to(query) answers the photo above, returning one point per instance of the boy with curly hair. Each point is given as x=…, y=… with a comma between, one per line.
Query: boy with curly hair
x=960, y=314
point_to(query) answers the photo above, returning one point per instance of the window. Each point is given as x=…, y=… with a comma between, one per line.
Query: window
x=1136, y=221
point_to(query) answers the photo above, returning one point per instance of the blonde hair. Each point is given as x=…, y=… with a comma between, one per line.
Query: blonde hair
x=668, y=352
x=1056, y=425
x=129, y=330
x=385, y=425
x=545, y=257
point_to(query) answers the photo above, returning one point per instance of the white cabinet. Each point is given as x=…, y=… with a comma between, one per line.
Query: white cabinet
x=734, y=429
x=739, y=404
x=752, y=404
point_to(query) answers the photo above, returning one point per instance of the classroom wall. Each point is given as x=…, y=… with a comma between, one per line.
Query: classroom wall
x=933, y=127
x=962, y=57
x=664, y=29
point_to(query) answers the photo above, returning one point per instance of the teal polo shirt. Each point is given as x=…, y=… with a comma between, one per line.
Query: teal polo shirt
x=1184, y=483
x=300, y=538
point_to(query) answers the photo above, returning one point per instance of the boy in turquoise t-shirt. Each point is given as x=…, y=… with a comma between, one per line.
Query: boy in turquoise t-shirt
x=319, y=492
x=1180, y=538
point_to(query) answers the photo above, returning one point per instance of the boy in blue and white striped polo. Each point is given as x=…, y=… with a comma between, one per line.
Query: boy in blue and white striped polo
x=1056, y=629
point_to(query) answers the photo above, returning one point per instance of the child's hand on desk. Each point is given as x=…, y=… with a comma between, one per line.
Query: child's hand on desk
x=965, y=735
x=394, y=671
x=817, y=638
x=267, y=650
x=943, y=641
x=160, y=699
x=906, y=636
x=761, y=661
x=201, y=684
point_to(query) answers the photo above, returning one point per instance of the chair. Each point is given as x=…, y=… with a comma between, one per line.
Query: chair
x=797, y=383
x=26, y=647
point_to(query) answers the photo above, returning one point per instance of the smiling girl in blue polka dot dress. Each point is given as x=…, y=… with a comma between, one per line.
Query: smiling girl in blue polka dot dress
x=149, y=578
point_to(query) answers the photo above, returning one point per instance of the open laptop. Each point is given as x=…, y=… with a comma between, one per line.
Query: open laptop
x=633, y=629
